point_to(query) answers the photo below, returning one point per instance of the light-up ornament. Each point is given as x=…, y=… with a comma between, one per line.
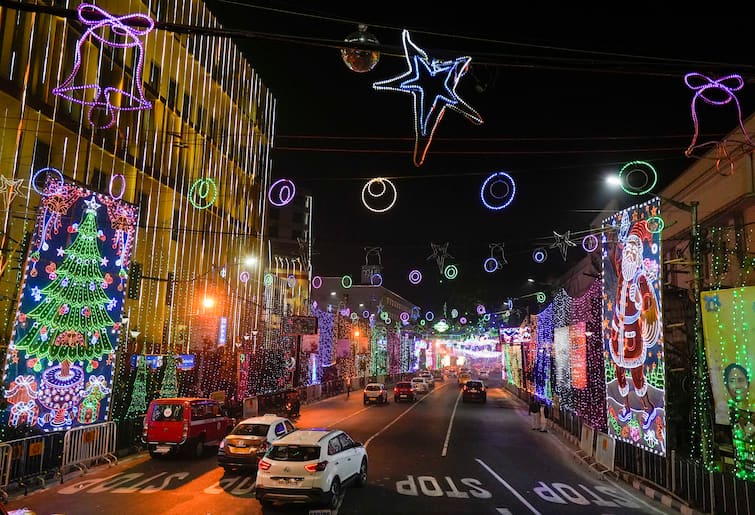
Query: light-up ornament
x=429, y=316
x=365, y=314
x=509, y=304
x=51, y=190
x=590, y=243
x=366, y=57
x=291, y=281
x=463, y=320
x=442, y=78
x=404, y=316
x=497, y=191
x=116, y=32
x=346, y=281
x=354, y=316
x=540, y=297
x=454, y=313
x=440, y=253
x=450, y=272
x=377, y=189
x=492, y=264
x=480, y=309
x=562, y=242
x=316, y=282
x=281, y=192
x=122, y=180
x=629, y=172
x=539, y=255
x=244, y=276
x=655, y=224
x=415, y=276
x=715, y=92
x=376, y=280
x=203, y=193
x=441, y=326
x=268, y=279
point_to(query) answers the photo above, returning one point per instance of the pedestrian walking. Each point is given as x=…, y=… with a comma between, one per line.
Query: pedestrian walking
x=348, y=386
x=534, y=413
x=543, y=417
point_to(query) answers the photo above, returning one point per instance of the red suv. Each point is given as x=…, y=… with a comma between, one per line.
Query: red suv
x=403, y=391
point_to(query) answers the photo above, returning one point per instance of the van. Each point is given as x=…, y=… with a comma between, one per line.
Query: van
x=187, y=424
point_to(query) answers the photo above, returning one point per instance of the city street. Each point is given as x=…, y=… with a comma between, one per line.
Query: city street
x=437, y=455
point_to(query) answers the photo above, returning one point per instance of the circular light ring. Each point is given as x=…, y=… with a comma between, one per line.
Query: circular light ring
x=510, y=304
x=422, y=322
x=291, y=281
x=377, y=188
x=203, y=193
x=590, y=243
x=655, y=224
x=388, y=321
x=480, y=309
x=244, y=277
x=450, y=272
x=345, y=311
x=463, y=320
x=383, y=315
x=54, y=171
x=268, y=281
x=539, y=255
x=540, y=297
x=316, y=282
x=490, y=195
x=376, y=280
x=123, y=186
x=454, y=313
x=354, y=316
x=346, y=281
x=486, y=317
x=649, y=174
x=404, y=316
x=281, y=192
x=365, y=314
x=415, y=276
x=429, y=316
x=490, y=265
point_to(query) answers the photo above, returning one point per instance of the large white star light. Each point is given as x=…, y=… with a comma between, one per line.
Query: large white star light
x=562, y=242
x=432, y=84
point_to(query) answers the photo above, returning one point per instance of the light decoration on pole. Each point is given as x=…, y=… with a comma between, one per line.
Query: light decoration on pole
x=281, y=192
x=115, y=32
x=497, y=191
x=378, y=190
x=443, y=77
x=346, y=282
x=716, y=92
x=203, y=193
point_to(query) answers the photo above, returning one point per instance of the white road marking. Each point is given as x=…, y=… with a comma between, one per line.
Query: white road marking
x=510, y=488
x=450, y=426
x=503, y=511
x=346, y=417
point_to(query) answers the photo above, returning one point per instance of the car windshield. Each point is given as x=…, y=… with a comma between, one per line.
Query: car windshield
x=294, y=453
x=171, y=412
x=403, y=385
x=251, y=429
x=474, y=384
x=373, y=388
x=418, y=380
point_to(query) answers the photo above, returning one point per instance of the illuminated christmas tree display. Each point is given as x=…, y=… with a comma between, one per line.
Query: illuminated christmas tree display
x=138, y=405
x=169, y=387
x=58, y=368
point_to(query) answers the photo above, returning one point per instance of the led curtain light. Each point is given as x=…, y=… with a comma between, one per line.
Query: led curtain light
x=125, y=32
x=429, y=108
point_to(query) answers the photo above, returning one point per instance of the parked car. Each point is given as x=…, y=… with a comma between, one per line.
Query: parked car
x=245, y=445
x=375, y=392
x=474, y=390
x=403, y=392
x=419, y=385
x=311, y=466
x=189, y=424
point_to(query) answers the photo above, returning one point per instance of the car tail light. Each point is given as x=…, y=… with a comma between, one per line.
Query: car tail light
x=316, y=467
x=264, y=465
x=144, y=428
x=222, y=444
x=395, y=389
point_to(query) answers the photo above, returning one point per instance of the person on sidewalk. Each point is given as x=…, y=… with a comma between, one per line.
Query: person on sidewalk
x=348, y=386
x=534, y=413
x=543, y=415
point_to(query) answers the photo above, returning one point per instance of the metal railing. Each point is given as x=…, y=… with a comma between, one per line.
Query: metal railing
x=34, y=458
x=87, y=445
x=5, y=462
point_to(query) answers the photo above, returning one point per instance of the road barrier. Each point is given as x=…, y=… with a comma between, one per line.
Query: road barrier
x=87, y=445
x=5, y=462
x=34, y=458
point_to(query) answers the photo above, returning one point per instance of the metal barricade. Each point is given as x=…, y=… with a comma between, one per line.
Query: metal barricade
x=35, y=458
x=87, y=445
x=5, y=462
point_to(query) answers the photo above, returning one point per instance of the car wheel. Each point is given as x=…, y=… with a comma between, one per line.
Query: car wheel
x=198, y=450
x=362, y=477
x=335, y=492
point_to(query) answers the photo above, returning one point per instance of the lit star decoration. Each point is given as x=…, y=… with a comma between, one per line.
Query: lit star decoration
x=440, y=253
x=432, y=84
x=10, y=189
x=104, y=27
x=562, y=243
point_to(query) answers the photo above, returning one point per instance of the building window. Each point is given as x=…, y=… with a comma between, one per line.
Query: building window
x=143, y=209
x=186, y=110
x=172, y=94
x=98, y=181
x=176, y=225
x=154, y=77
x=41, y=155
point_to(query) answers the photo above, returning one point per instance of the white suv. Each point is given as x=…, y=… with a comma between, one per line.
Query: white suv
x=311, y=466
x=419, y=385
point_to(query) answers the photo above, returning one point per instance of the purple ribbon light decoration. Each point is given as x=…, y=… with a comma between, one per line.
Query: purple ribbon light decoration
x=130, y=27
x=716, y=92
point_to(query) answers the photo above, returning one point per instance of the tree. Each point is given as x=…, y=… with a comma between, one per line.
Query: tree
x=139, y=394
x=169, y=387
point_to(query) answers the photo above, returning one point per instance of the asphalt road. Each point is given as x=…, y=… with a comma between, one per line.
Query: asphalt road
x=435, y=456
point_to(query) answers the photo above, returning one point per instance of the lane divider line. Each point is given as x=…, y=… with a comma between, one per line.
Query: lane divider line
x=450, y=426
x=510, y=488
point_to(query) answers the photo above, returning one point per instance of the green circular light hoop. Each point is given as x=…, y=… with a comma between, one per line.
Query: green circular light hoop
x=451, y=272
x=384, y=315
x=268, y=279
x=346, y=281
x=642, y=167
x=205, y=190
x=655, y=224
x=422, y=322
x=486, y=317
x=540, y=296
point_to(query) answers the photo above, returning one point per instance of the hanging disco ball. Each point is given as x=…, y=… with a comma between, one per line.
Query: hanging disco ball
x=357, y=59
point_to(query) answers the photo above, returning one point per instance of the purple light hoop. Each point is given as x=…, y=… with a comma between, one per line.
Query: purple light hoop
x=284, y=190
x=590, y=243
x=490, y=265
x=131, y=27
x=123, y=186
x=415, y=276
x=539, y=255
x=316, y=282
x=376, y=280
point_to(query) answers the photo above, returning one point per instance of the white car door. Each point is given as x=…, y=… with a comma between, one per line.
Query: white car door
x=350, y=454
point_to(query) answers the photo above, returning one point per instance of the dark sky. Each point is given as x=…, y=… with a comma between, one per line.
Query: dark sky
x=566, y=98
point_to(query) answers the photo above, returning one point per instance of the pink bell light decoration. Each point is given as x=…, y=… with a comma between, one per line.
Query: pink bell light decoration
x=117, y=32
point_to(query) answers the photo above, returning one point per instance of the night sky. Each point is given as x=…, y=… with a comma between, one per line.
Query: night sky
x=566, y=97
